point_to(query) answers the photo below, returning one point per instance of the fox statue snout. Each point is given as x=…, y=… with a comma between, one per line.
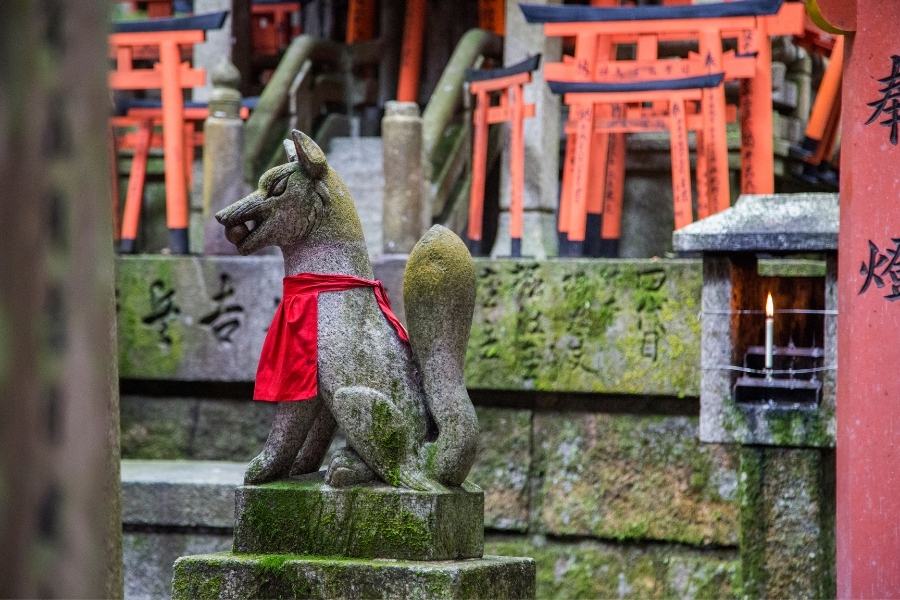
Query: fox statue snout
x=403, y=407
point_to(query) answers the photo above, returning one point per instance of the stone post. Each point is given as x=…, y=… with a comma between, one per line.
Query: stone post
x=405, y=215
x=223, y=146
x=215, y=49
x=60, y=521
x=541, y=142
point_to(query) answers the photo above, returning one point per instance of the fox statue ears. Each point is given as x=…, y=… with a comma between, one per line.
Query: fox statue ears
x=302, y=150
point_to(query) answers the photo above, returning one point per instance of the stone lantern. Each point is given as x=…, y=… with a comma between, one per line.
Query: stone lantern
x=768, y=380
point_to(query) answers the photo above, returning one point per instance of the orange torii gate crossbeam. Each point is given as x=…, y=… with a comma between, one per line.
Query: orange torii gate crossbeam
x=510, y=83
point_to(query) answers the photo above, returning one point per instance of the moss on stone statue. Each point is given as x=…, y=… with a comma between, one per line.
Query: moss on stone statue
x=632, y=478
x=390, y=438
x=290, y=576
x=591, y=569
x=364, y=521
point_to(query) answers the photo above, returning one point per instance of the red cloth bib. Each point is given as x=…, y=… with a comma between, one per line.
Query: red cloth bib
x=287, y=370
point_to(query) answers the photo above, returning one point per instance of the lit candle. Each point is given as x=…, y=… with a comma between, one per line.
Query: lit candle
x=770, y=330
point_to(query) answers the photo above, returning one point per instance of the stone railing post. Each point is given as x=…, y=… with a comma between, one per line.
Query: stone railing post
x=223, y=147
x=405, y=216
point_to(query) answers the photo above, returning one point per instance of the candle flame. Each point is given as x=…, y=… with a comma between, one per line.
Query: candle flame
x=770, y=306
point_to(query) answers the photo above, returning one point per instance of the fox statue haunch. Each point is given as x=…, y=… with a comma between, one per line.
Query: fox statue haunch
x=404, y=408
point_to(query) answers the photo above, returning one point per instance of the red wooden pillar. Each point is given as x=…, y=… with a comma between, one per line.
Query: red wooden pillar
x=868, y=400
x=177, y=210
x=411, y=51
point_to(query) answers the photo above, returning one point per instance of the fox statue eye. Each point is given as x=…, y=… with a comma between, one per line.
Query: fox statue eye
x=277, y=187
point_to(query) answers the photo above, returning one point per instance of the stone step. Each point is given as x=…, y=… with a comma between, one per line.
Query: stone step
x=306, y=516
x=360, y=163
x=229, y=575
x=180, y=493
x=171, y=508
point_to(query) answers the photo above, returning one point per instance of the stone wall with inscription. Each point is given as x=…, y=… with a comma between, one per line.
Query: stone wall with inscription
x=600, y=326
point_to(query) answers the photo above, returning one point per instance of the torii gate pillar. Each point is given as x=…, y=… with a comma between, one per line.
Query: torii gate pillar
x=868, y=401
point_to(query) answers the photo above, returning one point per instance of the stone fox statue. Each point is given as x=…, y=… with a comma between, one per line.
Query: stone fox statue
x=403, y=406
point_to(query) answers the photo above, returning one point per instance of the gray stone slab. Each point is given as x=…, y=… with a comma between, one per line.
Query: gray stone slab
x=167, y=427
x=766, y=223
x=306, y=516
x=241, y=576
x=632, y=477
x=179, y=493
x=172, y=327
x=586, y=568
x=503, y=466
x=148, y=557
x=359, y=160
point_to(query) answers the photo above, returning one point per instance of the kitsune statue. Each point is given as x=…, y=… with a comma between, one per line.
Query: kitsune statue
x=336, y=356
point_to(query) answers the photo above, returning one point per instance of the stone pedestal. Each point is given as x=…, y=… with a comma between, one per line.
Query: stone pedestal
x=306, y=516
x=229, y=575
x=301, y=538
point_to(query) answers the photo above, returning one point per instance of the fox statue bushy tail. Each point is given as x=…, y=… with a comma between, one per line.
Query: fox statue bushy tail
x=439, y=297
x=404, y=408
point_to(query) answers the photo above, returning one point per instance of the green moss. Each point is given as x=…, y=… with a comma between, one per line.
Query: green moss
x=143, y=349
x=376, y=531
x=632, y=478
x=301, y=517
x=787, y=523
x=753, y=525
x=791, y=268
x=390, y=437
x=272, y=563
x=189, y=584
x=154, y=442
x=430, y=454
x=608, y=326
x=599, y=570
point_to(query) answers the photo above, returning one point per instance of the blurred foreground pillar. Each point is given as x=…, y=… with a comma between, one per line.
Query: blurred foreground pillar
x=868, y=393
x=60, y=527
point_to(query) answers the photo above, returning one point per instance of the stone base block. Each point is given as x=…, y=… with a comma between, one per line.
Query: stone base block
x=305, y=516
x=228, y=575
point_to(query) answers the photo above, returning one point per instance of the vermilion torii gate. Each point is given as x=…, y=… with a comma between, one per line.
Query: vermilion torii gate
x=868, y=402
